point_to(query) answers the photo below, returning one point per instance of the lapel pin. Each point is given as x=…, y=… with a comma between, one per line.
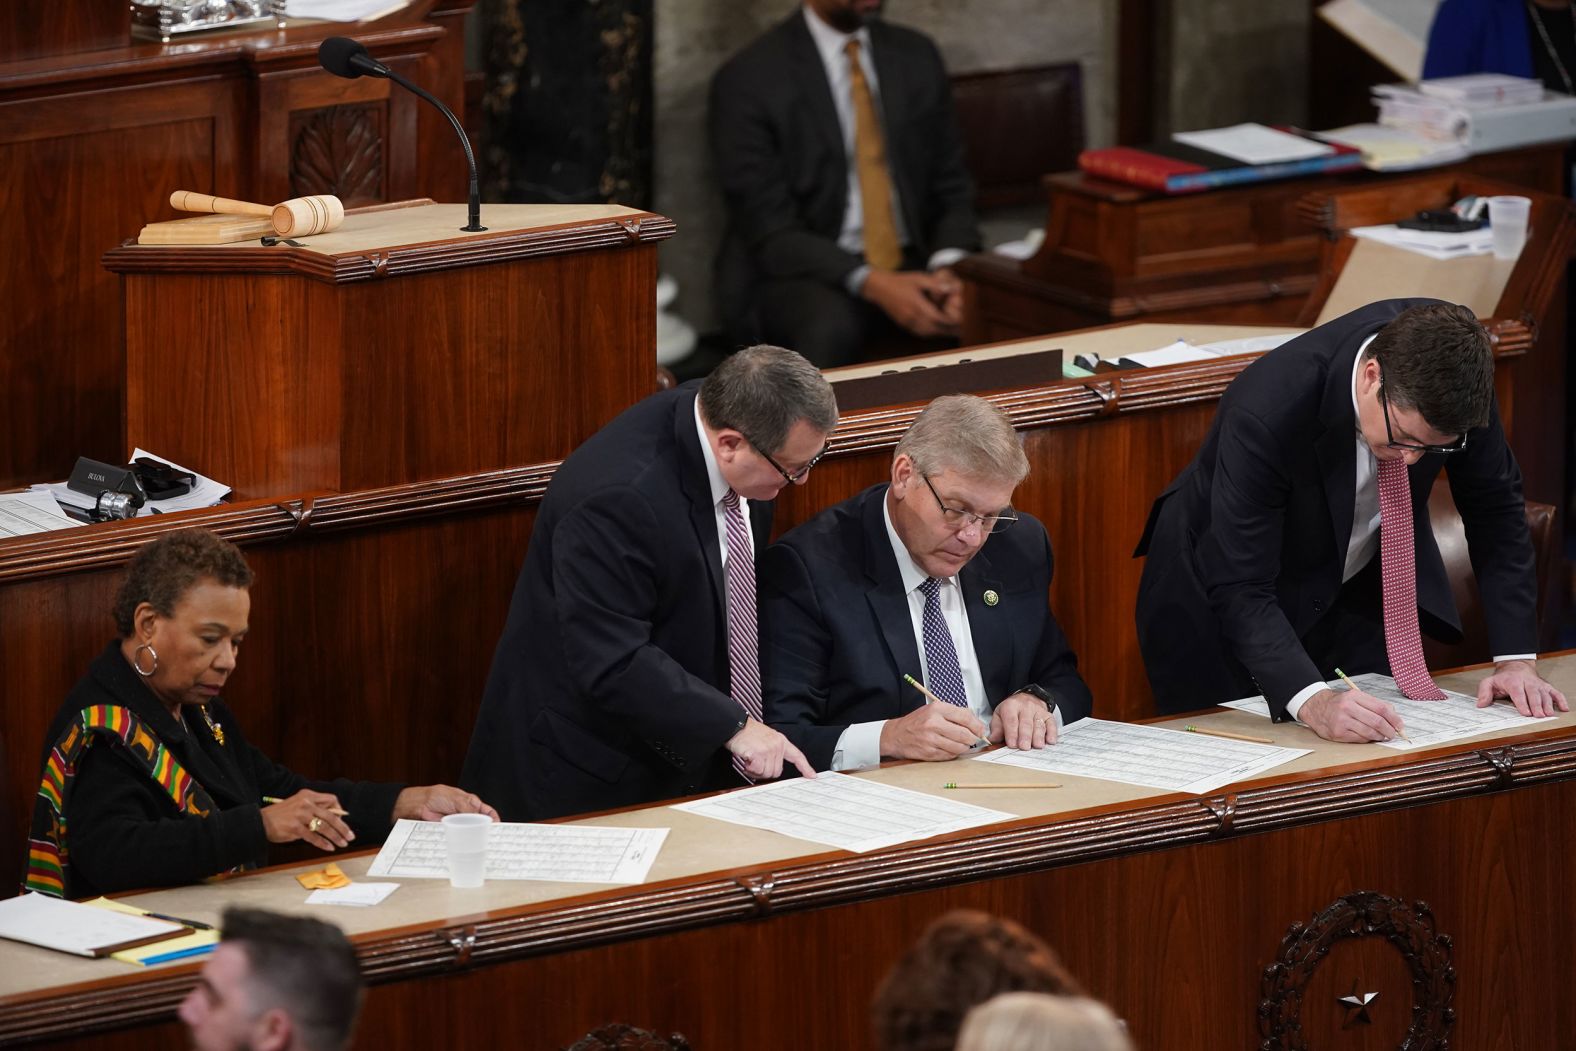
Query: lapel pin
x=991, y=598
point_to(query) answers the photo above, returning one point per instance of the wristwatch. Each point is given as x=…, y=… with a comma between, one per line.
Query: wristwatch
x=1034, y=689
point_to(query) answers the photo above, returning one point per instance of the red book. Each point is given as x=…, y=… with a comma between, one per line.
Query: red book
x=1173, y=167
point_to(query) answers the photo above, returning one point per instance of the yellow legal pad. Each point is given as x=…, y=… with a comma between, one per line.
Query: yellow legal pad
x=188, y=946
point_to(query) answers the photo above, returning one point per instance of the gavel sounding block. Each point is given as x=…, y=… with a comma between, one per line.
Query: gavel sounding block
x=206, y=230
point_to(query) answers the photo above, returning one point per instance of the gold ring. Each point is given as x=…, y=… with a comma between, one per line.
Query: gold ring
x=315, y=824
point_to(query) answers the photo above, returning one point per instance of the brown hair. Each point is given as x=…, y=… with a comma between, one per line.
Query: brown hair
x=963, y=959
x=163, y=570
x=303, y=966
x=1436, y=359
x=762, y=391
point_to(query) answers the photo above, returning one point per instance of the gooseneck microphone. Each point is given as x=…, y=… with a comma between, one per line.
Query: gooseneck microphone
x=348, y=58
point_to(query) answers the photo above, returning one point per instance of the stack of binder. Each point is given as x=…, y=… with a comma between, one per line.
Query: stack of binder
x=1481, y=112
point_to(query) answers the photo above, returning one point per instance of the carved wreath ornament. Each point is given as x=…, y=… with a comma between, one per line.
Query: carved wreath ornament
x=1408, y=928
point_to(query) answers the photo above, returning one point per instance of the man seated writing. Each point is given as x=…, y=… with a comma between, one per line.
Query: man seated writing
x=932, y=576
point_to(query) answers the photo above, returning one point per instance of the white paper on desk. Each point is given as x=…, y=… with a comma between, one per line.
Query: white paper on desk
x=22, y=514
x=1179, y=353
x=1427, y=723
x=515, y=850
x=69, y=926
x=1254, y=144
x=1435, y=244
x=1148, y=755
x=205, y=492
x=850, y=813
x=359, y=894
x=344, y=10
x=1249, y=344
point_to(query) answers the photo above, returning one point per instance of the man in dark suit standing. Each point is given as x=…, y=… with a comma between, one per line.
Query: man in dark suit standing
x=935, y=576
x=834, y=140
x=628, y=670
x=1298, y=539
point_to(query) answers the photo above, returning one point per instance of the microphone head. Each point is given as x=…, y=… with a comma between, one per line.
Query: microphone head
x=338, y=55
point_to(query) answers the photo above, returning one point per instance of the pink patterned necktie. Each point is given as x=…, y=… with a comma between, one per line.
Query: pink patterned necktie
x=744, y=657
x=1398, y=569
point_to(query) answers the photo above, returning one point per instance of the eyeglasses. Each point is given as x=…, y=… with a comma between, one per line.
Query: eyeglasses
x=1384, y=403
x=958, y=519
x=797, y=476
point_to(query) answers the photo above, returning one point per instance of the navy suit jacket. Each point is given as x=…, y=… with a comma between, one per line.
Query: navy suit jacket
x=609, y=686
x=779, y=154
x=837, y=636
x=1248, y=545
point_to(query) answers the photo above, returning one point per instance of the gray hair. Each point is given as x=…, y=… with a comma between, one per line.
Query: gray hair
x=762, y=391
x=1042, y=1022
x=969, y=435
x=302, y=966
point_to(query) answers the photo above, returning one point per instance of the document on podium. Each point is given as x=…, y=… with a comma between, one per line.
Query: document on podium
x=1151, y=756
x=1427, y=722
x=559, y=853
x=850, y=813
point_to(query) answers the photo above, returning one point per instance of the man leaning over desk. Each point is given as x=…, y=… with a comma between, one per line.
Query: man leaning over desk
x=628, y=668
x=934, y=576
x=1298, y=539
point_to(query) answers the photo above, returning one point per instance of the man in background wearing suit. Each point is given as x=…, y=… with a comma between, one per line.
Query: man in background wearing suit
x=935, y=576
x=1298, y=539
x=628, y=668
x=834, y=140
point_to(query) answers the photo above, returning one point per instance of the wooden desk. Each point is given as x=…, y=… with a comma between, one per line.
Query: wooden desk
x=369, y=605
x=1172, y=908
x=1241, y=255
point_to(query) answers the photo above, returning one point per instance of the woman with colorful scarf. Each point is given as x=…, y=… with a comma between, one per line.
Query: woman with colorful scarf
x=148, y=779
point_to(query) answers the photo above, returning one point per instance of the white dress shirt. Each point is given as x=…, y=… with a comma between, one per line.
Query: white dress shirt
x=719, y=489
x=830, y=44
x=1364, y=542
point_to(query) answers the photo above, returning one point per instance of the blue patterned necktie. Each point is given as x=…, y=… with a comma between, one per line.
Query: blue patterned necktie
x=942, y=673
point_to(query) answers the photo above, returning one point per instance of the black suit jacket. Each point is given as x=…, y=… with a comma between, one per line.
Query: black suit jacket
x=778, y=152
x=125, y=833
x=609, y=684
x=837, y=636
x=1247, y=546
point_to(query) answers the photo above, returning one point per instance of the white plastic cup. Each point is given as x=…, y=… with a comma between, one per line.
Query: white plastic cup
x=1507, y=218
x=466, y=836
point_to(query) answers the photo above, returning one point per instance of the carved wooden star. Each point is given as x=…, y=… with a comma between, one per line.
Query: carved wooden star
x=1356, y=1005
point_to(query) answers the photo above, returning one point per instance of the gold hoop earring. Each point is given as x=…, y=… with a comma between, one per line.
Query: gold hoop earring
x=136, y=660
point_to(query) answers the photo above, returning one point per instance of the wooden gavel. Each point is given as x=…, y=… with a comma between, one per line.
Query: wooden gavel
x=297, y=217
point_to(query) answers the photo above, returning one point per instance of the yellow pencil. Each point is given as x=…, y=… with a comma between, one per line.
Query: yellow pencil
x=1350, y=685
x=931, y=698
x=1003, y=784
x=1227, y=733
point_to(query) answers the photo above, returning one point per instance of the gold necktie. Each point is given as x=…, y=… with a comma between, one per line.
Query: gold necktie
x=882, y=249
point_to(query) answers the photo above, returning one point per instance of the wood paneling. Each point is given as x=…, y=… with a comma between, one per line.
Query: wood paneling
x=94, y=134
x=377, y=368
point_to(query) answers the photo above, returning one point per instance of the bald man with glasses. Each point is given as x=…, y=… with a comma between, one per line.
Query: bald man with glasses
x=1298, y=539
x=932, y=575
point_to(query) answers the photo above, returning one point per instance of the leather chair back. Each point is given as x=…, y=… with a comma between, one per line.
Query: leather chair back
x=1450, y=534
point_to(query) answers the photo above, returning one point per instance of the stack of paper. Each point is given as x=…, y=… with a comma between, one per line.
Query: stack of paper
x=561, y=853
x=1511, y=112
x=1427, y=722
x=1436, y=244
x=24, y=513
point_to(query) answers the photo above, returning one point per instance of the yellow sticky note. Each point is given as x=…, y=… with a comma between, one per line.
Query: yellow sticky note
x=326, y=878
